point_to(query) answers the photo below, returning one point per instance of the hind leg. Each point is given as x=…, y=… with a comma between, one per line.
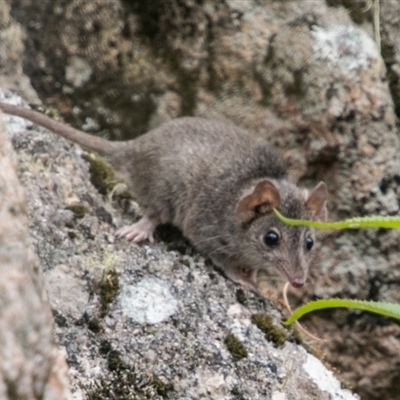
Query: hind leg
x=139, y=231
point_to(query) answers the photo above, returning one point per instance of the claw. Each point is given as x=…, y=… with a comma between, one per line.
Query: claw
x=139, y=231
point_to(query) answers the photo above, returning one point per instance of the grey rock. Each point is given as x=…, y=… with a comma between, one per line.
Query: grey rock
x=306, y=75
x=31, y=366
x=168, y=320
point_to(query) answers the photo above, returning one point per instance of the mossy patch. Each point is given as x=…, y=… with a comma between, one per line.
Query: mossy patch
x=79, y=210
x=123, y=382
x=161, y=387
x=94, y=325
x=103, y=176
x=109, y=287
x=114, y=361
x=235, y=347
x=272, y=332
x=241, y=296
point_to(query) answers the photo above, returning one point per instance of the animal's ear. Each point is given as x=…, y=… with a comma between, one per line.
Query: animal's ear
x=262, y=200
x=316, y=202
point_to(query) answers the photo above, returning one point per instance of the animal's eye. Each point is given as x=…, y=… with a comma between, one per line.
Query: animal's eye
x=271, y=238
x=309, y=242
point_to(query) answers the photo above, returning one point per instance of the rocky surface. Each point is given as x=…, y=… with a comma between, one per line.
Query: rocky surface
x=145, y=321
x=307, y=75
x=31, y=366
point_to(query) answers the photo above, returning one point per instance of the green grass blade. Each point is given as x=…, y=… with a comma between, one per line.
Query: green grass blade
x=385, y=309
x=372, y=221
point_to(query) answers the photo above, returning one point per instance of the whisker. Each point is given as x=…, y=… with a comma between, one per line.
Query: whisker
x=220, y=249
x=210, y=239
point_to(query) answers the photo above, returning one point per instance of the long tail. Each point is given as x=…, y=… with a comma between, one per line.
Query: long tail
x=90, y=142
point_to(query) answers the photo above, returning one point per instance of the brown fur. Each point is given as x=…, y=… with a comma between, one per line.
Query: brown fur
x=218, y=184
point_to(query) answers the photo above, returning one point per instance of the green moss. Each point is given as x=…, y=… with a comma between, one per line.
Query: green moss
x=123, y=382
x=120, y=386
x=161, y=387
x=103, y=176
x=114, y=361
x=109, y=287
x=94, y=325
x=105, y=347
x=79, y=210
x=241, y=296
x=271, y=331
x=235, y=346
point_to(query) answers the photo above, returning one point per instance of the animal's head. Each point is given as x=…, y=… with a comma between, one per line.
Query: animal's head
x=268, y=243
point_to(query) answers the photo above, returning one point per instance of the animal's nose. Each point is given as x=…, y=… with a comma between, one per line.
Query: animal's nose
x=298, y=282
